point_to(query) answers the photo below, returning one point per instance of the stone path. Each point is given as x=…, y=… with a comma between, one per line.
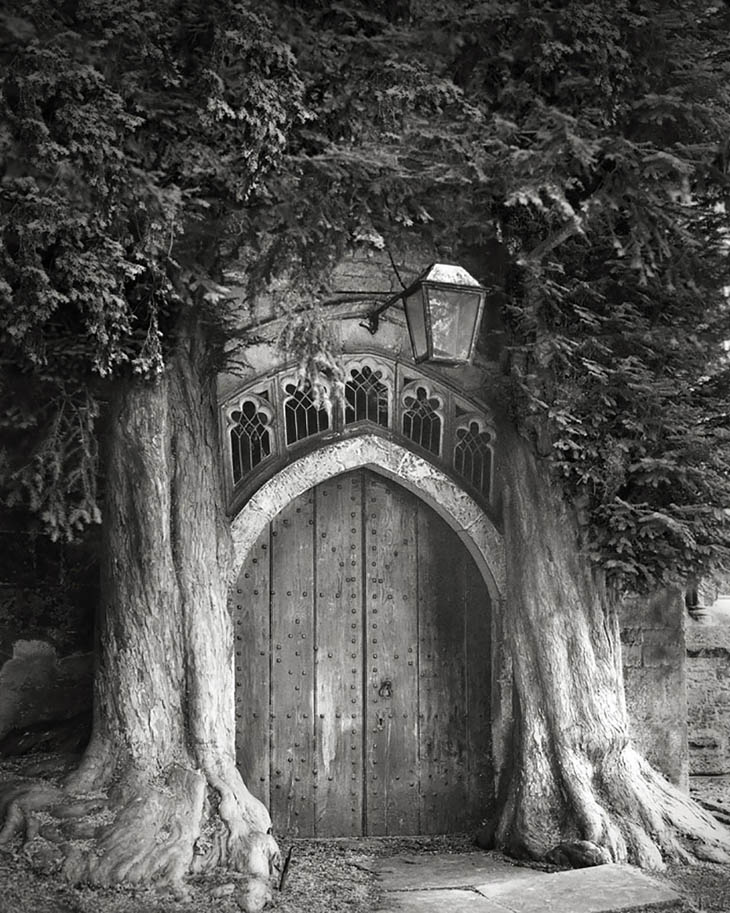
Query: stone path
x=477, y=883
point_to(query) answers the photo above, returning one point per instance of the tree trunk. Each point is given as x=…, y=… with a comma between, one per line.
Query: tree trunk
x=161, y=761
x=575, y=775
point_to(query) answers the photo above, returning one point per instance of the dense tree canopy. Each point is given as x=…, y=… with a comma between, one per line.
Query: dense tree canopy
x=573, y=153
x=129, y=142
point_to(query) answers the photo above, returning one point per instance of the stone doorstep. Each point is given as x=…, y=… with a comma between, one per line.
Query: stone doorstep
x=412, y=887
x=454, y=900
x=599, y=889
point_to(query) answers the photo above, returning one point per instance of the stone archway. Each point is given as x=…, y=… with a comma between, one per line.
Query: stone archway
x=462, y=513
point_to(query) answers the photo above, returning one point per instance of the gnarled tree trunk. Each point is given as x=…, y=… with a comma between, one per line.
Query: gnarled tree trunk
x=159, y=776
x=576, y=776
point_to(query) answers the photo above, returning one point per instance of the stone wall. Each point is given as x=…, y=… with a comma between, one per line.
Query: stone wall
x=708, y=697
x=48, y=592
x=654, y=659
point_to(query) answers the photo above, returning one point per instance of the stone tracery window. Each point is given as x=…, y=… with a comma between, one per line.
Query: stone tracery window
x=367, y=395
x=473, y=454
x=250, y=435
x=422, y=419
x=271, y=420
x=302, y=417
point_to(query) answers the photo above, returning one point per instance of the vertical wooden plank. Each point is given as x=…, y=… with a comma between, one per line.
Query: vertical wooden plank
x=501, y=688
x=292, y=668
x=250, y=616
x=442, y=674
x=391, y=672
x=480, y=780
x=338, y=652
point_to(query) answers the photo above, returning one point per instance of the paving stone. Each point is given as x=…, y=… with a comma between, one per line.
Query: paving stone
x=448, y=870
x=448, y=900
x=601, y=888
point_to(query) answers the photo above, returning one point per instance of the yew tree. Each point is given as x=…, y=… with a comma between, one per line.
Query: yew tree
x=572, y=155
x=131, y=140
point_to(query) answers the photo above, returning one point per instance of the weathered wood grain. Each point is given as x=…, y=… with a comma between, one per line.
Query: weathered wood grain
x=391, y=622
x=252, y=653
x=442, y=673
x=338, y=663
x=292, y=669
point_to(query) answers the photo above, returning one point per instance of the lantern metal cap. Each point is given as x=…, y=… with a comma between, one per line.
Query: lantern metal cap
x=447, y=274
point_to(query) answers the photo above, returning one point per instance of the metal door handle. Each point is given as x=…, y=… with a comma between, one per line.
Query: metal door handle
x=386, y=688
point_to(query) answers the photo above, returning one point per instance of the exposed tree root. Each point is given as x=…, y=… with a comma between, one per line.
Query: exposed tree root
x=242, y=838
x=140, y=831
x=621, y=807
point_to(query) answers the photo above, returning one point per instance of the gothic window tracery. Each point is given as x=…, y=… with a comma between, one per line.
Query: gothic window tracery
x=250, y=435
x=271, y=420
x=473, y=454
x=367, y=394
x=302, y=417
x=422, y=416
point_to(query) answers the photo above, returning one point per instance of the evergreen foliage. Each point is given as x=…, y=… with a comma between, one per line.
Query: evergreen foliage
x=572, y=154
x=575, y=156
x=129, y=142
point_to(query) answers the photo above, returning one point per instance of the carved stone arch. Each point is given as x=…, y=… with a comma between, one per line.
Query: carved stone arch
x=477, y=532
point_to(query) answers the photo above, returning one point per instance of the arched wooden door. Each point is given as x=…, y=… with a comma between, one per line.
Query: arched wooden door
x=362, y=640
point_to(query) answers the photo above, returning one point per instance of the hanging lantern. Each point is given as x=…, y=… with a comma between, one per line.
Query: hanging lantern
x=443, y=310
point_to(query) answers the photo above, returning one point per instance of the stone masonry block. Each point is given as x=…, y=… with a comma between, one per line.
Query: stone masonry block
x=660, y=648
x=708, y=637
x=632, y=636
x=631, y=655
x=663, y=610
x=38, y=686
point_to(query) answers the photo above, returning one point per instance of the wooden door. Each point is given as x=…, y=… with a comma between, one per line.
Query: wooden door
x=362, y=632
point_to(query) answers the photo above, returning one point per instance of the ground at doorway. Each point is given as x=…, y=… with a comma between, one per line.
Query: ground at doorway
x=340, y=876
x=345, y=876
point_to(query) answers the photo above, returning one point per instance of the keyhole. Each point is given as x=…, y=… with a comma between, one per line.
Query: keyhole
x=381, y=722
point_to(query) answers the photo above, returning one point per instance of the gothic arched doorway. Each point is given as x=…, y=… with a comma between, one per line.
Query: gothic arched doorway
x=362, y=629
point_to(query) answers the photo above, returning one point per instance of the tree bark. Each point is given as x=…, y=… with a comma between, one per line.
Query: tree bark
x=576, y=776
x=160, y=767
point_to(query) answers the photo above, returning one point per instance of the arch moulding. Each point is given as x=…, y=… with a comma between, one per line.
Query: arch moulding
x=477, y=532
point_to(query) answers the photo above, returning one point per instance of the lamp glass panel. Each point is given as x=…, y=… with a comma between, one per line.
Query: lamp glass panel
x=453, y=316
x=413, y=305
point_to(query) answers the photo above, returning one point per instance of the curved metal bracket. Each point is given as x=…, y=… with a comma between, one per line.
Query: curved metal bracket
x=373, y=322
